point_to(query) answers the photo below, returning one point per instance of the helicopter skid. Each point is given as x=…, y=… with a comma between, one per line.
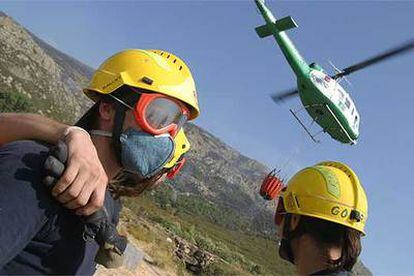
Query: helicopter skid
x=304, y=127
x=328, y=129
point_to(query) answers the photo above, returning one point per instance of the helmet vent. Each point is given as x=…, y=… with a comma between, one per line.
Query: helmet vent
x=297, y=202
x=175, y=60
x=168, y=56
x=147, y=80
x=180, y=68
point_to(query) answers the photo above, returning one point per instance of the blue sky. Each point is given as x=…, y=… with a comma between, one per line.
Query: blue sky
x=236, y=71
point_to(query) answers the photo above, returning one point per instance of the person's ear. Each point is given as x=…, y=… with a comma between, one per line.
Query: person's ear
x=106, y=111
x=294, y=222
x=106, y=115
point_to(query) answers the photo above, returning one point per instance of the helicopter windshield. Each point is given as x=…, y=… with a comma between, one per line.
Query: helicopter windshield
x=347, y=103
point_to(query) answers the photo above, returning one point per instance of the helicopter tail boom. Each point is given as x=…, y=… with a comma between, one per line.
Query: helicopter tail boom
x=280, y=25
x=276, y=29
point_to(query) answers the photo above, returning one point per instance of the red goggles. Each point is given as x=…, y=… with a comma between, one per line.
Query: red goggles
x=158, y=114
x=176, y=169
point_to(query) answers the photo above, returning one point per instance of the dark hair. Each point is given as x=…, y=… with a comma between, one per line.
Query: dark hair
x=128, y=184
x=329, y=234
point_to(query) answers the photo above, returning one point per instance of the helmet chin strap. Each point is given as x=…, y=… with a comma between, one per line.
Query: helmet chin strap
x=120, y=111
x=98, y=132
x=285, y=247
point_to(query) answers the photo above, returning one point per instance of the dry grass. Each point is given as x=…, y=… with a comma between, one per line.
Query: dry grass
x=154, y=241
x=244, y=254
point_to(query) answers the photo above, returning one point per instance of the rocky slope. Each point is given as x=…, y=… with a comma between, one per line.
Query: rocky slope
x=36, y=77
x=30, y=69
x=230, y=180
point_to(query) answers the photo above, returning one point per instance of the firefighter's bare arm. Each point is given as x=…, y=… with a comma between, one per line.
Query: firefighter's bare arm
x=84, y=181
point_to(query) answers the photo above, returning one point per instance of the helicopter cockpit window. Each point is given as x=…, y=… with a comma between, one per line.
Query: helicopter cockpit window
x=321, y=81
x=347, y=103
x=341, y=94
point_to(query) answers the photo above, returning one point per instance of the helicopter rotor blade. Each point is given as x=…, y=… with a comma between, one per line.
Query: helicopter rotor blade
x=378, y=58
x=280, y=97
x=338, y=71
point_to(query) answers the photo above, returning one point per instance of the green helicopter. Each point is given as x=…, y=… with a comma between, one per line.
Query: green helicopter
x=322, y=95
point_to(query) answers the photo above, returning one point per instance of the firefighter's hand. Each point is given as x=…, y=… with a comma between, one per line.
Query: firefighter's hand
x=83, y=183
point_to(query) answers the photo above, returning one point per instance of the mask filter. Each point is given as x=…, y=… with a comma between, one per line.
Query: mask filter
x=145, y=154
x=141, y=153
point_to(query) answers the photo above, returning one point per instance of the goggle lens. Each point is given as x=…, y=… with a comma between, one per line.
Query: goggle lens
x=162, y=112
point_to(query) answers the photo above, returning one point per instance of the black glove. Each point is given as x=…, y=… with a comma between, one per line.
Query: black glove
x=55, y=164
x=97, y=225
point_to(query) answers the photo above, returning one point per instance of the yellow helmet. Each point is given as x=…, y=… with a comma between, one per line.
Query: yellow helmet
x=182, y=145
x=154, y=70
x=328, y=191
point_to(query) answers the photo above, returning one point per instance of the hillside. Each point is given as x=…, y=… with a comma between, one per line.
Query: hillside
x=214, y=201
x=39, y=78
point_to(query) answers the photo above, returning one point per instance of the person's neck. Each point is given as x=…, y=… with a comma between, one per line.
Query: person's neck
x=309, y=258
x=106, y=155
